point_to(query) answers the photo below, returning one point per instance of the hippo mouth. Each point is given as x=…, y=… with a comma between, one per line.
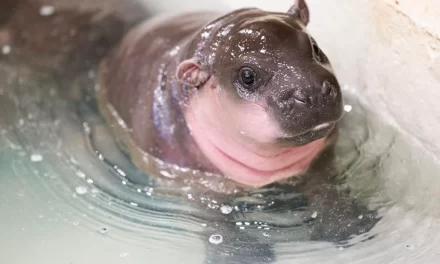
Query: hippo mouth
x=318, y=132
x=251, y=176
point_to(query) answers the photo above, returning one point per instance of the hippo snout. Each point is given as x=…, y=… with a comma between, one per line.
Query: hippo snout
x=307, y=114
x=318, y=98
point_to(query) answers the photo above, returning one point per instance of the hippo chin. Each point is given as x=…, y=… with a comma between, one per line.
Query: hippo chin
x=248, y=96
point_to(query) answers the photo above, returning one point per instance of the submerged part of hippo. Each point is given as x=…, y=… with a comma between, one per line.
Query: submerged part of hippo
x=249, y=96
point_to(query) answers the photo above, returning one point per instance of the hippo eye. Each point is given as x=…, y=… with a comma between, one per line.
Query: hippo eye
x=247, y=76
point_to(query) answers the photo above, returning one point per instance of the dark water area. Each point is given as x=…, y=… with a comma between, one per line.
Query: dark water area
x=69, y=194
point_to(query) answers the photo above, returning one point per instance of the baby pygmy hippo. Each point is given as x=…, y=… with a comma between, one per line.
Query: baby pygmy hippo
x=248, y=96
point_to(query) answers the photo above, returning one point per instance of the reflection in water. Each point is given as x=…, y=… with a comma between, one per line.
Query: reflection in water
x=66, y=184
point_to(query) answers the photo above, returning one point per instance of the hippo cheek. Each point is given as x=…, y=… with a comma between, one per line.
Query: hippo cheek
x=247, y=122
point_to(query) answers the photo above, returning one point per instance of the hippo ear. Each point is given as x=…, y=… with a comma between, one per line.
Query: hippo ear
x=300, y=10
x=190, y=72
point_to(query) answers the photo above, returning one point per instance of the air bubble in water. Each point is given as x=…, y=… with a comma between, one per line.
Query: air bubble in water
x=409, y=247
x=103, y=230
x=226, y=209
x=215, y=239
x=81, y=190
x=36, y=158
x=123, y=254
x=80, y=174
x=348, y=108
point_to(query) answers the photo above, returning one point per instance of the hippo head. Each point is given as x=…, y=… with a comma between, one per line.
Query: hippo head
x=266, y=96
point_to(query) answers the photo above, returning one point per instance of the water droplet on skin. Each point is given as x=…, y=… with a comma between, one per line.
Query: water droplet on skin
x=205, y=34
x=91, y=74
x=6, y=49
x=36, y=158
x=174, y=51
x=47, y=10
x=215, y=239
x=226, y=209
x=81, y=190
x=103, y=230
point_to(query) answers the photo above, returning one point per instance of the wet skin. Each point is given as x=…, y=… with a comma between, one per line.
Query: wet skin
x=248, y=96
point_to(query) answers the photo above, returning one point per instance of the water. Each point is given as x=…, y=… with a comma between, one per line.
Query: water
x=69, y=195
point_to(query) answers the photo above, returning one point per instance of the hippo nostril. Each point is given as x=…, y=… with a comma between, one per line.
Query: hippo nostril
x=329, y=89
x=301, y=98
x=326, y=88
x=301, y=101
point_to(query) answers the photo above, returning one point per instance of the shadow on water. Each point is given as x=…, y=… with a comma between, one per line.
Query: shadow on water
x=52, y=140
